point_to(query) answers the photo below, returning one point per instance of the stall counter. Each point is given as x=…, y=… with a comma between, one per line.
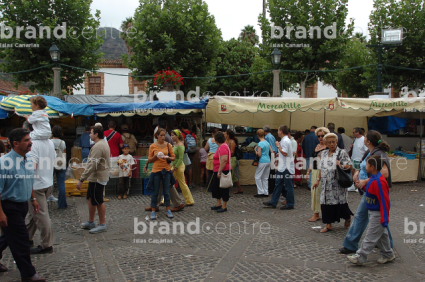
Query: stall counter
x=403, y=170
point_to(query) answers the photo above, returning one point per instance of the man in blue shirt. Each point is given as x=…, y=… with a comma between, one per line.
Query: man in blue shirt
x=16, y=181
x=272, y=141
x=84, y=143
x=308, y=145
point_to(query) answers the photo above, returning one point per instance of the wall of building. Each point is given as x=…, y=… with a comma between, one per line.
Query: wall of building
x=114, y=84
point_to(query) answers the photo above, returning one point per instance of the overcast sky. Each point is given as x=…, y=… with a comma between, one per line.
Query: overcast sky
x=230, y=15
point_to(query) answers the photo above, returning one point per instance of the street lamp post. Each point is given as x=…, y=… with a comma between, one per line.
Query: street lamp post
x=275, y=56
x=55, y=55
x=389, y=36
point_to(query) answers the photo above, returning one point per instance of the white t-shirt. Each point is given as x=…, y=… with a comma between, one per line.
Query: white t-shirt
x=125, y=162
x=294, y=145
x=43, y=154
x=359, y=148
x=60, y=143
x=286, y=162
x=40, y=122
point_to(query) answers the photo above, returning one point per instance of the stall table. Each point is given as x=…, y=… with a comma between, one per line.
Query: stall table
x=246, y=172
x=403, y=170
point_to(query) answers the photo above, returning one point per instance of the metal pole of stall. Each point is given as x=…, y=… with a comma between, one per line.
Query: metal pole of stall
x=324, y=118
x=420, y=148
x=290, y=120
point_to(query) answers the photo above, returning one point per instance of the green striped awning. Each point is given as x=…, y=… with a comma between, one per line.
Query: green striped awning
x=22, y=106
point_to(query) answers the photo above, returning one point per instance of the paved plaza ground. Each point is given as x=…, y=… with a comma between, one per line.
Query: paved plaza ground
x=282, y=246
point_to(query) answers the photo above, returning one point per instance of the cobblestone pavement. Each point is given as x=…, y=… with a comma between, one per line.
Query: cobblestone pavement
x=248, y=243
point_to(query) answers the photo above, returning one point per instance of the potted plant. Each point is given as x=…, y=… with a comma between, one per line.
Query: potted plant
x=167, y=79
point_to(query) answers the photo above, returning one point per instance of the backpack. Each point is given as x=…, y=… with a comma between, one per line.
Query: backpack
x=238, y=153
x=191, y=143
x=59, y=155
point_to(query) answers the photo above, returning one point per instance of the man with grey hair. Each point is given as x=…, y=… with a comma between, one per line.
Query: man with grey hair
x=331, y=127
x=272, y=141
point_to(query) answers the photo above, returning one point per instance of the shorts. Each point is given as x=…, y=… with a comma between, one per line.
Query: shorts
x=203, y=165
x=356, y=164
x=95, y=193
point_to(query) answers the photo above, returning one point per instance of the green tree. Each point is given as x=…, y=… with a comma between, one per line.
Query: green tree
x=78, y=41
x=355, y=82
x=409, y=15
x=234, y=57
x=179, y=34
x=309, y=51
x=249, y=33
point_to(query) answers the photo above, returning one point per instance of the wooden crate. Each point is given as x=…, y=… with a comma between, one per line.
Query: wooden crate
x=71, y=188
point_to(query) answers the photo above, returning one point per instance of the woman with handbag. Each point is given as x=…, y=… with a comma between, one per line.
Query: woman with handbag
x=232, y=142
x=314, y=170
x=211, y=147
x=263, y=168
x=160, y=154
x=178, y=166
x=222, y=178
x=333, y=198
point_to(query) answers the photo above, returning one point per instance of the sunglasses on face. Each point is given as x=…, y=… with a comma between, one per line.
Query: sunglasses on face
x=320, y=136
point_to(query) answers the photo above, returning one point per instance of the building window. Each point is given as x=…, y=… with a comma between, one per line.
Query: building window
x=94, y=85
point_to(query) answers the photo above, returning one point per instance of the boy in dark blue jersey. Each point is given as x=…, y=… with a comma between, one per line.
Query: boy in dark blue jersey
x=378, y=204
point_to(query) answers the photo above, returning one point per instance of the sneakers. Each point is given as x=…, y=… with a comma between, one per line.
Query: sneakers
x=98, y=229
x=153, y=215
x=52, y=198
x=355, y=259
x=88, y=225
x=170, y=214
x=352, y=189
x=383, y=260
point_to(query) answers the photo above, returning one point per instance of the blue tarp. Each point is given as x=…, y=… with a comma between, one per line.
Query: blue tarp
x=3, y=114
x=124, y=107
x=387, y=125
x=67, y=108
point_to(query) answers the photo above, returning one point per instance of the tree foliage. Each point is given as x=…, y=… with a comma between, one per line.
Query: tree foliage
x=249, y=33
x=409, y=15
x=179, y=34
x=234, y=57
x=301, y=15
x=78, y=48
x=355, y=82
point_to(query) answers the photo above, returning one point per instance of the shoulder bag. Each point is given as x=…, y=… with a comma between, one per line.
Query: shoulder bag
x=343, y=176
x=225, y=179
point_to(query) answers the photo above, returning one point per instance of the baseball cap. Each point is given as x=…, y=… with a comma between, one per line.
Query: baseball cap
x=126, y=146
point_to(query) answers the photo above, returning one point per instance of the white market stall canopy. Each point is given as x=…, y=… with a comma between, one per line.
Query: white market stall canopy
x=301, y=114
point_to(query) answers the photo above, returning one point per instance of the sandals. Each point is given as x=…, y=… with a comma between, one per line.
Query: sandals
x=313, y=220
x=238, y=192
x=324, y=230
x=347, y=223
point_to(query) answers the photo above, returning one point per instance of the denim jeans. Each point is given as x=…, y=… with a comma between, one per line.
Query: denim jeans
x=283, y=179
x=159, y=177
x=60, y=178
x=359, y=225
x=309, y=178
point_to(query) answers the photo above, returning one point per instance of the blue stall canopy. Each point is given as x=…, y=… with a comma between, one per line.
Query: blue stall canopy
x=154, y=108
x=3, y=114
x=68, y=108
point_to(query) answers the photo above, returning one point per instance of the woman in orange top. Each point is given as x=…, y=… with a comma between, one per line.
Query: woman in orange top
x=161, y=154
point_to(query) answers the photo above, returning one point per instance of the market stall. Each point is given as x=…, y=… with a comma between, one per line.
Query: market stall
x=300, y=114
